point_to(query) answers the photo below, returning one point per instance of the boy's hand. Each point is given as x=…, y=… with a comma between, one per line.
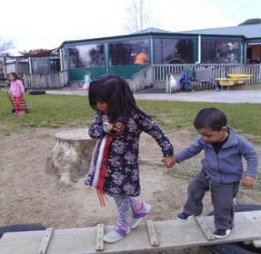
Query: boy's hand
x=248, y=181
x=118, y=126
x=168, y=161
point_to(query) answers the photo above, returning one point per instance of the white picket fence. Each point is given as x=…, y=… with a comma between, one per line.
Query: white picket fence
x=56, y=80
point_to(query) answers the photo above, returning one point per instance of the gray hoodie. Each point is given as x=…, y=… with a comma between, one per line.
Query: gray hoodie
x=226, y=166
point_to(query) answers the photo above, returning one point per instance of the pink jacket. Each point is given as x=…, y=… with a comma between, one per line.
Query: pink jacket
x=16, y=88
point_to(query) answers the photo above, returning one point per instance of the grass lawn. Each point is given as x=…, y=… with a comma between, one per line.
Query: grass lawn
x=54, y=111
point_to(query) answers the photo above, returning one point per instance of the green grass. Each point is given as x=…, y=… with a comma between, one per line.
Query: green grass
x=50, y=111
x=54, y=111
x=244, y=118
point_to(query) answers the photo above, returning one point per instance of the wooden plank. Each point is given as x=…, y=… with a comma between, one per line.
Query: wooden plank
x=152, y=233
x=254, y=218
x=46, y=241
x=171, y=234
x=99, y=237
x=204, y=228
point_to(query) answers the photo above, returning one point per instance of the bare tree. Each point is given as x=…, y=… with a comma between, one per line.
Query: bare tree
x=138, y=16
x=5, y=45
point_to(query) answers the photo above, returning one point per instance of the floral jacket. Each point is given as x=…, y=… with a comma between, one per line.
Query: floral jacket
x=122, y=177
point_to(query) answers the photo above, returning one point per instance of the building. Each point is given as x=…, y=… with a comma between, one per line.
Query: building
x=118, y=54
x=250, y=31
x=126, y=55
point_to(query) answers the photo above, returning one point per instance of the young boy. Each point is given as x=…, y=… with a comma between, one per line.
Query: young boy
x=222, y=169
x=87, y=81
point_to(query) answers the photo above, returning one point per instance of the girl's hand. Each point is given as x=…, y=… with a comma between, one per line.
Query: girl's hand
x=118, y=126
x=248, y=181
x=107, y=127
x=168, y=161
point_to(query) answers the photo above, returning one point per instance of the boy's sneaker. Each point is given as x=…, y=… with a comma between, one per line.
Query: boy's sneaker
x=184, y=216
x=222, y=233
x=138, y=216
x=115, y=235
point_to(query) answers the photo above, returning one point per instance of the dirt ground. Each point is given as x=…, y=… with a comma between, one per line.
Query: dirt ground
x=29, y=195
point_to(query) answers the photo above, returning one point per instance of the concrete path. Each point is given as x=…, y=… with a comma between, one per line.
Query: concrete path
x=243, y=96
x=237, y=96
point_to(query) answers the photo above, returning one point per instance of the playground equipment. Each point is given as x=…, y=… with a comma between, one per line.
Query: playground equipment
x=158, y=235
x=233, y=78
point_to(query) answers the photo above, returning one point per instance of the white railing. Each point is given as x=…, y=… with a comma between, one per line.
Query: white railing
x=38, y=81
x=142, y=79
x=218, y=70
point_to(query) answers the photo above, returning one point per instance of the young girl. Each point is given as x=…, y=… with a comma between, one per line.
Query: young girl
x=114, y=169
x=16, y=91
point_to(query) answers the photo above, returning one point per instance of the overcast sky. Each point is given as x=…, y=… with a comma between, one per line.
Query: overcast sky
x=34, y=24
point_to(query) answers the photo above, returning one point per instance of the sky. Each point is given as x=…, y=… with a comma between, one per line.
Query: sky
x=34, y=24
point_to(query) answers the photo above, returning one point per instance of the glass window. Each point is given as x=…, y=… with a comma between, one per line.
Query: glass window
x=220, y=51
x=129, y=52
x=86, y=56
x=40, y=65
x=172, y=51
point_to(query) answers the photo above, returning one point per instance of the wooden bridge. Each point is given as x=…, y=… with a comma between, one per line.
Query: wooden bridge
x=158, y=235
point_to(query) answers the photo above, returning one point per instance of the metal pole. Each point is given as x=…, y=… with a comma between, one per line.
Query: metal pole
x=61, y=60
x=4, y=65
x=30, y=65
x=199, y=50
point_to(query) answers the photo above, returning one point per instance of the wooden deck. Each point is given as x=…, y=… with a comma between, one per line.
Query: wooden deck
x=163, y=235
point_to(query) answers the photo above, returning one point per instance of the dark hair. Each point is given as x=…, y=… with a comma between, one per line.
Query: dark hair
x=210, y=118
x=116, y=92
x=15, y=75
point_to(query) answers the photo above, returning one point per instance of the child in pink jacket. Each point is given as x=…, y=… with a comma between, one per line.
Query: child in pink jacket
x=16, y=91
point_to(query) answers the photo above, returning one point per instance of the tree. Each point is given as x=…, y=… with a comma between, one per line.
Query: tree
x=138, y=16
x=5, y=45
x=35, y=52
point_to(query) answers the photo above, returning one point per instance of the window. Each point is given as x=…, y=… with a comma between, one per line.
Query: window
x=220, y=51
x=129, y=52
x=40, y=65
x=86, y=56
x=173, y=51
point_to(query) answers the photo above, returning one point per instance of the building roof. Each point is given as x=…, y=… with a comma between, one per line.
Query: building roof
x=249, y=31
x=152, y=30
x=41, y=53
x=143, y=33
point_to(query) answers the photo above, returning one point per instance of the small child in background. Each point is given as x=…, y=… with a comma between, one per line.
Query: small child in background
x=222, y=169
x=87, y=81
x=16, y=91
x=114, y=169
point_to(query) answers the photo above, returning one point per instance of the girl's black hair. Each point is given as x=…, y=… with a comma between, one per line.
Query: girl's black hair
x=212, y=118
x=116, y=92
x=15, y=75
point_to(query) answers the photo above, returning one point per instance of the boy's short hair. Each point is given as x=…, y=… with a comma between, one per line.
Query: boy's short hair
x=212, y=118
